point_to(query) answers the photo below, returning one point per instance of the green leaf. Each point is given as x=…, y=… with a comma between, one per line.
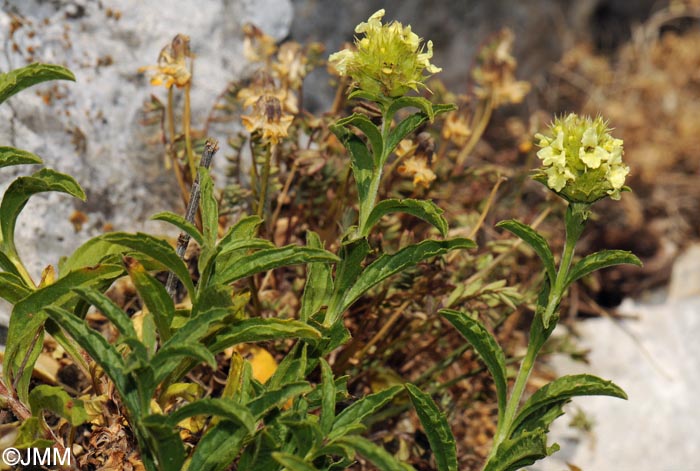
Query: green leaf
x=365, y=407
x=535, y=240
x=374, y=135
x=19, y=192
x=192, y=351
x=154, y=296
x=209, y=208
x=377, y=455
x=540, y=419
x=425, y=210
x=440, y=437
x=361, y=161
x=11, y=156
x=276, y=398
x=27, y=318
x=513, y=455
x=12, y=288
x=319, y=282
x=388, y=265
x=292, y=368
x=243, y=229
x=328, y=393
x=349, y=268
x=24, y=77
x=101, y=351
x=93, y=252
x=228, y=409
x=158, y=250
x=181, y=223
x=166, y=446
x=565, y=388
x=269, y=259
x=109, y=309
x=30, y=434
x=423, y=105
x=487, y=347
x=292, y=462
x=9, y=266
x=259, y=330
x=56, y=400
x=218, y=447
x=403, y=129
x=598, y=260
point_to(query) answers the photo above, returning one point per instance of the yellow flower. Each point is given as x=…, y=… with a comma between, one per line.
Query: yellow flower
x=389, y=60
x=172, y=64
x=495, y=74
x=456, y=129
x=581, y=161
x=257, y=46
x=417, y=167
x=291, y=64
x=268, y=119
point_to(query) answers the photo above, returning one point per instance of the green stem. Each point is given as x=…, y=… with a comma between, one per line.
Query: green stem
x=186, y=131
x=367, y=205
x=576, y=215
x=262, y=201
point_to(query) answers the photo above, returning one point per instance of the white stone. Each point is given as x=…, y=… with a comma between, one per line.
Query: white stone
x=124, y=177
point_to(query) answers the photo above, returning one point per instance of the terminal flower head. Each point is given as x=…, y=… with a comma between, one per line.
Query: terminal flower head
x=389, y=60
x=581, y=161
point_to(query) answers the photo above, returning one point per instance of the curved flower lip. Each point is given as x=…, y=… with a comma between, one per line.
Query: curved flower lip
x=581, y=161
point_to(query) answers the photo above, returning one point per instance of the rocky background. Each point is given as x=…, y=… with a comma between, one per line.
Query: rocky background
x=91, y=129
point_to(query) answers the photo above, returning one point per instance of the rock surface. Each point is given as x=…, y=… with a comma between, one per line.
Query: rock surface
x=655, y=360
x=90, y=129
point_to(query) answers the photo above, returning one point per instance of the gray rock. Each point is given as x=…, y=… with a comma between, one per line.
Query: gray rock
x=655, y=360
x=92, y=132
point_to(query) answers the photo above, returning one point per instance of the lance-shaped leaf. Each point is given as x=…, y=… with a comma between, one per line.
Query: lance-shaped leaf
x=293, y=462
x=19, y=192
x=515, y=454
x=328, y=393
x=27, y=318
x=165, y=445
x=228, y=409
x=598, y=260
x=563, y=389
x=101, y=351
x=243, y=229
x=413, y=121
x=109, y=309
x=388, y=265
x=363, y=408
x=276, y=398
x=9, y=266
x=181, y=223
x=440, y=437
x=535, y=240
x=17, y=80
x=56, y=400
x=486, y=346
x=377, y=455
x=421, y=103
x=219, y=447
x=368, y=128
x=209, y=208
x=362, y=162
x=154, y=296
x=157, y=250
x=12, y=288
x=259, y=330
x=425, y=210
x=11, y=156
x=269, y=259
x=319, y=282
